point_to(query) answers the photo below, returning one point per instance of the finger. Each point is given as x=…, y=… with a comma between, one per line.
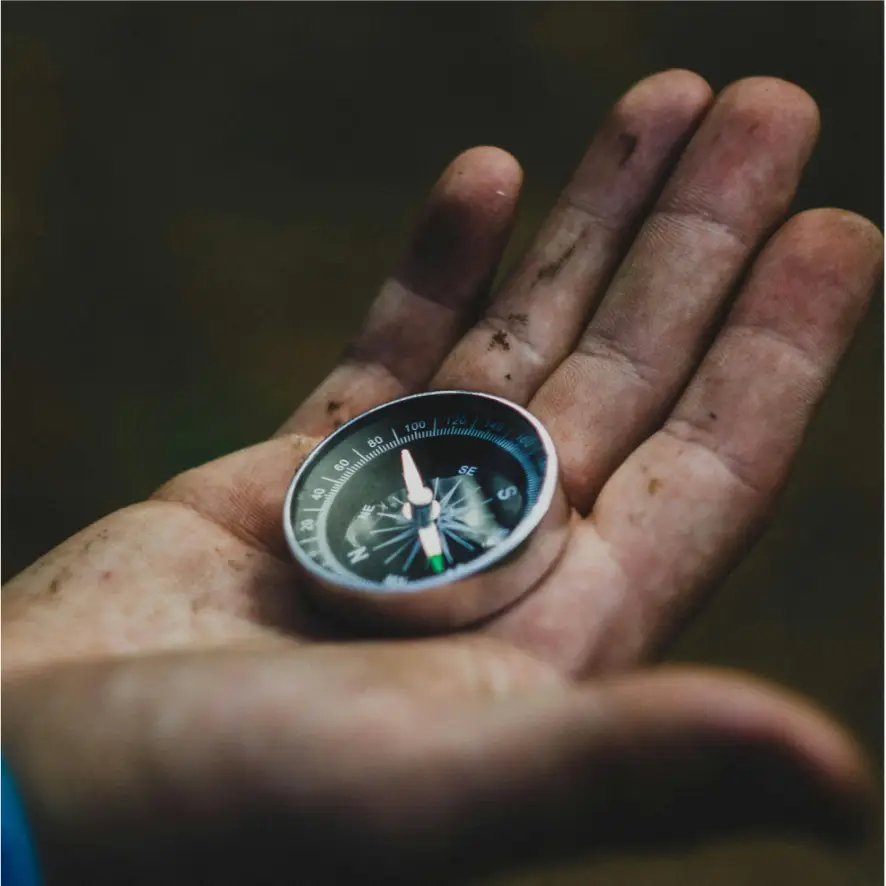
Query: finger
x=164, y=764
x=452, y=255
x=733, y=183
x=532, y=324
x=665, y=760
x=420, y=311
x=681, y=510
x=685, y=506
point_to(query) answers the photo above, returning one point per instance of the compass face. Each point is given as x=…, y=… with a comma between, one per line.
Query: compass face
x=482, y=475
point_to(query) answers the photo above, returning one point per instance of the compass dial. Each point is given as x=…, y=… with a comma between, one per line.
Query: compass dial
x=420, y=492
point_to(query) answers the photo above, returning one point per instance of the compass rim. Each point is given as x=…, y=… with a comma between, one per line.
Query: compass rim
x=486, y=561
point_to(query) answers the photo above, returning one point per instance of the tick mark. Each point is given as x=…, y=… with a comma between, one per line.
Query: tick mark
x=499, y=340
x=553, y=268
x=628, y=143
x=53, y=586
x=712, y=416
x=653, y=485
x=508, y=376
x=333, y=406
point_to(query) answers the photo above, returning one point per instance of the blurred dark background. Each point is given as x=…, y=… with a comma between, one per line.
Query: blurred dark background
x=200, y=199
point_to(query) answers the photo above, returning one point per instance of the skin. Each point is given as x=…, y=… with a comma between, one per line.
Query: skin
x=176, y=709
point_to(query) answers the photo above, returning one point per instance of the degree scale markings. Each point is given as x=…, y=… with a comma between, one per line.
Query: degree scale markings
x=502, y=440
x=501, y=437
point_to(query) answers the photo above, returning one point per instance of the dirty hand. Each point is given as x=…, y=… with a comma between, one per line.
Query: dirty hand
x=176, y=712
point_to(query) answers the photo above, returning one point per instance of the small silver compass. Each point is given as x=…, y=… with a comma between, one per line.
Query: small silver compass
x=431, y=511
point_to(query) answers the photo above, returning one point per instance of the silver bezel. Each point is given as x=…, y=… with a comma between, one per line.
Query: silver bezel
x=527, y=526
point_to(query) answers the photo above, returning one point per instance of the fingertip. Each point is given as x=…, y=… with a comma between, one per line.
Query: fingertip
x=816, y=276
x=765, y=743
x=762, y=99
x=681, y=83
x=483, y=172
x=460, y=232
x=677, y=92
x=489, y=159
x=824, y=228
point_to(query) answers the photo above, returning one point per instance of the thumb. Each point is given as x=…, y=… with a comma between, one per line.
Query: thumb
x=666, y=758
x=198, y=773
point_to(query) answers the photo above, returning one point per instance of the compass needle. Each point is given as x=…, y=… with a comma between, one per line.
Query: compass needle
x=416, y=491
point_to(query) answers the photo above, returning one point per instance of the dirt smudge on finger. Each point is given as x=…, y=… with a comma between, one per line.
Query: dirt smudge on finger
x=499, y=340
x=546, y=272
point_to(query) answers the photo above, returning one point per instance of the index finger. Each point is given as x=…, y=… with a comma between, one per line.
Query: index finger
x=418, y=314
x=421, y=309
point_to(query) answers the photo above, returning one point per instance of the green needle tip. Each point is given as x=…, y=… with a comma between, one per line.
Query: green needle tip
x=437, y=563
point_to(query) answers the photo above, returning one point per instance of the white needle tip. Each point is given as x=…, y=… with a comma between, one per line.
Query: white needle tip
x=417, y=493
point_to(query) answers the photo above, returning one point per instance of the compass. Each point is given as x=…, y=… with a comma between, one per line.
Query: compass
x=433, y=510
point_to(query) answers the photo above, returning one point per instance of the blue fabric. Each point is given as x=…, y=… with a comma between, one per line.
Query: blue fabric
x=19, y=860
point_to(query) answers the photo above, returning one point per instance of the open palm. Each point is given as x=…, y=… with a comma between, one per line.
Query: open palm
x=676, y=367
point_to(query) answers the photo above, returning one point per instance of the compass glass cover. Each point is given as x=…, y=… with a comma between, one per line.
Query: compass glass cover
x=349, y=512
